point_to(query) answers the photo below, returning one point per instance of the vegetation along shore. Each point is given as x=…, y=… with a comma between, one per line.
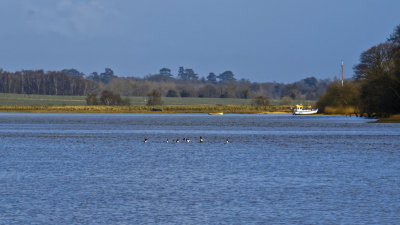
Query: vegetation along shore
x=374, y=90
x=390, y=119
x=150, y=109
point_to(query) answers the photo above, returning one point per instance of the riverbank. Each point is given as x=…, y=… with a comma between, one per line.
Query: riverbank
x=391, y=119
x=242, y=109
x=62, y=100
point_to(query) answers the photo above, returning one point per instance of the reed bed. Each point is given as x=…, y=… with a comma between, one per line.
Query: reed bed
x=391, y=119
x=340, y=110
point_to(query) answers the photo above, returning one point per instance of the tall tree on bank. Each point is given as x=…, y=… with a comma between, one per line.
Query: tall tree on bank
x=379, y=83
x=395, y=39
x=375, y=90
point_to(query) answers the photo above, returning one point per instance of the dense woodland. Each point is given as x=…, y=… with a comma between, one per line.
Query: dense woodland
x=185, y=84
x=375, y=88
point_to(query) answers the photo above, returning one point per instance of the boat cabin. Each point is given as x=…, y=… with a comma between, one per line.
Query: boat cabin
x=299, y=107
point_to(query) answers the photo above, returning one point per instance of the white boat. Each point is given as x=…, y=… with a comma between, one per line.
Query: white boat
x=216, y=114
x=300, y=110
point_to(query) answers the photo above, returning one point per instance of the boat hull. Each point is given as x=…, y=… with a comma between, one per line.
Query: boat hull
x=305, y=112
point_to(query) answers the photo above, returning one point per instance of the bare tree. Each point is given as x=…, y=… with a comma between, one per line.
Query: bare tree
x=154, y=98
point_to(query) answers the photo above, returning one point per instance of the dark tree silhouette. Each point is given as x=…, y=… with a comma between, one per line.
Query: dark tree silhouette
x=226, y=76
x=73, y=72
x=107, y=75
x=172, y=93
x=379, y=83
x=166, y=72
x=212, y=78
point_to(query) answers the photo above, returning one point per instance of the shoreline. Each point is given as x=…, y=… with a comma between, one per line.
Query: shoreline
x=391, y=119
x=238, y=109
x=226, y=109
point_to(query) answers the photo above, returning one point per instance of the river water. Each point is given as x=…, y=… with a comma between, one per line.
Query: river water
x=96, y=169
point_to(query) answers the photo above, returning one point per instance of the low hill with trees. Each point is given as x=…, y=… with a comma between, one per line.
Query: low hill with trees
x=187, y=83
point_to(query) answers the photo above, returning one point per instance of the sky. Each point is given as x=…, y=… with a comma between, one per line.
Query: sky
x=260, y=40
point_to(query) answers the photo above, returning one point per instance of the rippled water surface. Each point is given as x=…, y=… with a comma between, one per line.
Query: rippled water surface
x=95, y=168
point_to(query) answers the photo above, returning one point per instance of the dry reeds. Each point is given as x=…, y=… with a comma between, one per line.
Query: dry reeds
x=343, y=110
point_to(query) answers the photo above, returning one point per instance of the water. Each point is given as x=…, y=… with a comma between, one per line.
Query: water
x=95, y=169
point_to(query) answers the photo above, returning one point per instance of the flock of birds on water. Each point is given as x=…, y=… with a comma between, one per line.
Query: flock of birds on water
x=187, y=140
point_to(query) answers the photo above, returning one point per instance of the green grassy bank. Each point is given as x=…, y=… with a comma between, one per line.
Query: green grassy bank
x=57, y=100
x=20, y=99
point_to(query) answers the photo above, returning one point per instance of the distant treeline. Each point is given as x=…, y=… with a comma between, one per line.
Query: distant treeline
x=375, y=88
x=44, y=83
x=186, y=84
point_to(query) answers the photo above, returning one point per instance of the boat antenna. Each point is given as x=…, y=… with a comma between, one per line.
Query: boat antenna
x=342, y=73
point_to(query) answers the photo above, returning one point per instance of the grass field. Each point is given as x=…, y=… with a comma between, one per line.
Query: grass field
x=20, y=99
x=56, y=100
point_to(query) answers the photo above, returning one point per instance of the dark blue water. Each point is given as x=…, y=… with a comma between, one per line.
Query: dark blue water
x=95, y=169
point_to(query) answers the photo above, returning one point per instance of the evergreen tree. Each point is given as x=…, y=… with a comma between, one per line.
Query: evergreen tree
x=181, y=73
x=73, y=72
x=191, y=75
x=212, y=78
x=226, y=76
x=107, y=75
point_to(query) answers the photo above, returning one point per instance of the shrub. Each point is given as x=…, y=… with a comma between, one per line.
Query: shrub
x=91, y=99
x=154, y=98
x=261, y=101
x=172, y=93
x=109, y=98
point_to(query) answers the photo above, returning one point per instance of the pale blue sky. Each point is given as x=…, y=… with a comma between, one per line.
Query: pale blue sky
x=260, y=40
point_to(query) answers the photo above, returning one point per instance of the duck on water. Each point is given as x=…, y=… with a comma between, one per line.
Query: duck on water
x=187, y=140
